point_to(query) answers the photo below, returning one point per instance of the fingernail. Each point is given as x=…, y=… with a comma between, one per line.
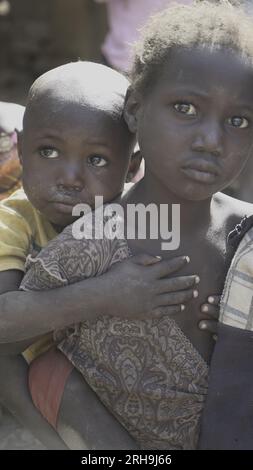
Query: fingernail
x=197, y=279
x=210, y=300
x=187, y=259
x=158, y=257
x=195, y=294
x=204, y=308
x=202, y=326
x=182, y=307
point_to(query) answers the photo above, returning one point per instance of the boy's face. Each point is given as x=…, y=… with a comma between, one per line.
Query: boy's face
x=71, y=155
x=195, y=125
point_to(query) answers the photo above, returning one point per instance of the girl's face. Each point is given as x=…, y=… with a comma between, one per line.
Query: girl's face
x=195, y=125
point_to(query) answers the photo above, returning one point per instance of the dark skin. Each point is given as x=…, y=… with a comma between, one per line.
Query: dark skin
x=213, y=114
x=190, y=101
x=209, y=114
x=81, y=150
x=78, y=166
x=211, y=310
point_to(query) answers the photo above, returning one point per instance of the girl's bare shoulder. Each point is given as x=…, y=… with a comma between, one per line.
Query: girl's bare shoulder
x=231, y=210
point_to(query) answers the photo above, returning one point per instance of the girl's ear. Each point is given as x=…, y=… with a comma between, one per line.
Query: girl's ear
x=132, y=109
x=20, y=144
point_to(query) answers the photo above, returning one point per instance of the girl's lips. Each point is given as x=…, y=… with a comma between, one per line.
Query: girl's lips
x=200, y=175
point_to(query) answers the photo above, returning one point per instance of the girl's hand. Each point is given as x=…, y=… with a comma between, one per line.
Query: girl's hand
x=145, y=285
x=212, y=309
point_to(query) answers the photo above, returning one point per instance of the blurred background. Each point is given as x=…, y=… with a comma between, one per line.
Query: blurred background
x=36, y=36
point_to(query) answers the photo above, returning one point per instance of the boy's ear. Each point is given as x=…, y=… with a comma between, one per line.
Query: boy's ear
x=19, y=144
x=134, y=166
x=131, y=109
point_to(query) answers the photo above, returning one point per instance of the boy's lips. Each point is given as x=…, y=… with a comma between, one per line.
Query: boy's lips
x=66, y=204
x=63, y=207
x=201, y=171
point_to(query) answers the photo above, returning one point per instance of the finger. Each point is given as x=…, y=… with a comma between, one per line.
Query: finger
x=176, y=298
x=214, y=299
x=211, y=310
x=145, y=260
x=176, y=284
x=167, y=267
x=170, y=310
x=209, y=325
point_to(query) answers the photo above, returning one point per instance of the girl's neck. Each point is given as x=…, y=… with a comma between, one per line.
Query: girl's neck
x=151, y=191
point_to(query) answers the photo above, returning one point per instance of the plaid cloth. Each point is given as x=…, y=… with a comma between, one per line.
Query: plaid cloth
x=237, y=299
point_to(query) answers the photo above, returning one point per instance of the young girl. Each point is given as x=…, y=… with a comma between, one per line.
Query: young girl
x=75, y=145
x=191, y=104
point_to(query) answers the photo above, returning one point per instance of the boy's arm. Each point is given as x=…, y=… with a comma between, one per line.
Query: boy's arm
x=68, y=283
x=9, y=282
x=25, y=316
x=133, y=288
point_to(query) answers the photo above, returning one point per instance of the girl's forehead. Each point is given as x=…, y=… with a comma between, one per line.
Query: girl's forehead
x=206, y=69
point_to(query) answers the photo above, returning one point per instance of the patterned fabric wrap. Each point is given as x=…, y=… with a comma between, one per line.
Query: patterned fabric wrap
x=146, y=372
x=237, y=298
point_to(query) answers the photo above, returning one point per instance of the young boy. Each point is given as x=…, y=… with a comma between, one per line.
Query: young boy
x=191, y=104
x=75, y=145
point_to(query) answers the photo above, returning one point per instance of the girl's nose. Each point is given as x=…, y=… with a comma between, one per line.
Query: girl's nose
x=209, y=139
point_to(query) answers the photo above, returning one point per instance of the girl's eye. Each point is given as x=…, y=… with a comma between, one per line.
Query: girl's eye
x=239, y=122
x=185, y=108
x=96, y=160
x=48, y=152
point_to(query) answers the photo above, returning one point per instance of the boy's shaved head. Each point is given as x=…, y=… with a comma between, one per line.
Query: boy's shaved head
x=85, y=84
x=75, y=142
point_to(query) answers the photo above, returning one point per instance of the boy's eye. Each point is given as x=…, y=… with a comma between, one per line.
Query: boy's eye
x=96, y=160
x=185, y=108
x=239, y=122
x=48, y=152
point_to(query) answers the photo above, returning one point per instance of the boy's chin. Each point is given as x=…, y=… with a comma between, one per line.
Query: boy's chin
x=61, y=221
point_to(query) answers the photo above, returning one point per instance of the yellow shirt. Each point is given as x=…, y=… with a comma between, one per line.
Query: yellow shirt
x=23, y=230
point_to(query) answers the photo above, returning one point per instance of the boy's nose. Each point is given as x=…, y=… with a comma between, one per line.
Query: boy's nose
x=209, y=139
x=71, y=178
